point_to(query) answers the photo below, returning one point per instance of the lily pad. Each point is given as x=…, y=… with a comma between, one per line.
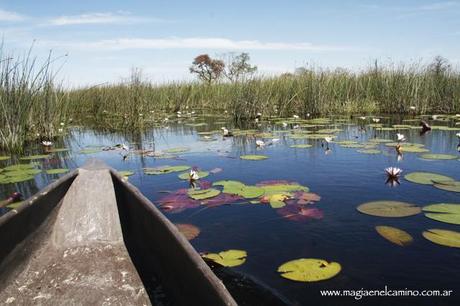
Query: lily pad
x=230, y=258
x=283, y=188
x=126, y=173
x=186, y=175
x=4, y=158
x=370, y=151
x=277, y=200
x=426, y=178
x=253, y=157
x=190, y=231
x=57, y=171
x=394, y=235
x=301, y=146
x=438, y=156
x=309, y=270
x=55, y=150
x=393, y=209
x=414, y=149
x=32, y=157
x=90, y=151
x=19, y=167
x=15, y=179
x=177, y=150
x=443, y=212
x=14, y=205
x=453, y=186
x=165, y=169
x=443, y=237
x=177, y=201
x=240, y=189
x=201, y=194
x=299, y=213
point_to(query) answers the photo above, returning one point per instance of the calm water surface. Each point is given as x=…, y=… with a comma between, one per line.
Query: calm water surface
x=344, y=179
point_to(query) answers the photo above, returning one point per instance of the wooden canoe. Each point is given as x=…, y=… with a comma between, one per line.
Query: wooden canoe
x=91, y=238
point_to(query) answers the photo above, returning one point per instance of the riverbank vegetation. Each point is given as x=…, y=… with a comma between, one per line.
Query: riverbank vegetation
x=35, y=107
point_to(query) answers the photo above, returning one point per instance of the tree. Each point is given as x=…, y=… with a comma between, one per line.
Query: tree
x=439, y=66
x=238, y=67
x=206, y=68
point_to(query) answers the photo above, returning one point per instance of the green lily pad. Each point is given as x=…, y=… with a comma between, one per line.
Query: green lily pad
x=19, y=167
x=283, y=188
x=393, y=209
x=165, y=169
x=301, y=146
x=443, y=212
x=4, y=158
x=126, y=173
x=309, y=270
x=443, y=237
x=453, y=186
x=277, y=200
x=230, y=258
x=177, y=150
x=394, y=235
x=353, y=145
x=89, y=151
x=16, y=179
x=57, y=171
x=414, y=149
x=32, y=157
x=253, y=157
x=201, y=194
x=186, y=175
x=370, y=151
x=240, y=189
x=55, y=150
x=14, y=205
x=380, y=140
x=426, y=178
x=438, y=156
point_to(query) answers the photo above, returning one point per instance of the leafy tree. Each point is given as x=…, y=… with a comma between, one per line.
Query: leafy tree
x=238, y=67
x=207, y=69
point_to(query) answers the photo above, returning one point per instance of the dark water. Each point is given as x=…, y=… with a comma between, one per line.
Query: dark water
x=343, y=178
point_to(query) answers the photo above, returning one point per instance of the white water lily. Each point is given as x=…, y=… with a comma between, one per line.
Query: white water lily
x=260, y=143
x=362, y=118
x=60, y=130
x=124, y=147
x=308, y=114
x=62, y=123
x=285, y=124
x=179, y=112
x=434, y=117
x=458, y=135
x=400, y=137
x=376, y=120
x=412, y=107
x=295, y=117
x=275, y=140
x=393, y=172
x=194, y=175
x=259, y=114
x=328, y=139
x=296, y=126
x=47, y=143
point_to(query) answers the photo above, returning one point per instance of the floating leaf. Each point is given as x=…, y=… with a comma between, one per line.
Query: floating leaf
x=178, y=201
x=222, y=199
x=55, y=150
x=126, y=173
x=277, y=200
x=283, y=188
x=165, y=169
x=57, y=171
x=380, y=140
x=426, y=178
x=230, y=258
x=414, y=149
x=15, y=179
x=240, y=189
x=14, y=205
x=309, y=269
x=19, y=167
x=369, y=151
x=453, y=186
x=89, y=151
x=32, y=157
x=443, y=212
x=253, y=157
x=186, y=175
x=198, y=194
x=299, y=213
x=177, y=150
x=394, y=235
x=443, y=237
x=4, y=158
x=392, y=209
x=438, y=156
x=301, y=146
x=190, y=231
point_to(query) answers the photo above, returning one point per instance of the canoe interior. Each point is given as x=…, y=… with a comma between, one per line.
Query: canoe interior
x=158, y=257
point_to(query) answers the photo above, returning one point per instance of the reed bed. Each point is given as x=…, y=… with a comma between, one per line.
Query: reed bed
x=32, y=106
x=316, y=92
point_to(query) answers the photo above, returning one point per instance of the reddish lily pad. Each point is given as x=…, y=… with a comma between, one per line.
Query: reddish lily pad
x=190, y=231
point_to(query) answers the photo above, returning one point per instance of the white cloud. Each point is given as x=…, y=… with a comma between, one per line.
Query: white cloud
x=10, y=16
x=100, y=18
x=194, y=43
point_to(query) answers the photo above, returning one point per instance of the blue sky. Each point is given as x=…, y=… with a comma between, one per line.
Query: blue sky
x=105, y=39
